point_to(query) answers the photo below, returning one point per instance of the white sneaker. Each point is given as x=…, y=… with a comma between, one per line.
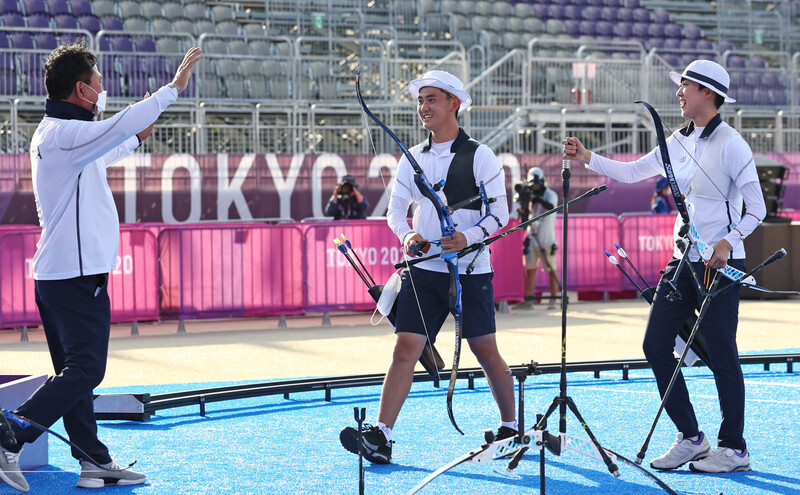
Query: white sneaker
x=10, y=472
x=723, y=460
x=112, y=474
x=681, y=452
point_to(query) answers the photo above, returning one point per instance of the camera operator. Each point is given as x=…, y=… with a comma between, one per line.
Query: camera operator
x=534, y=198
x=346, y=202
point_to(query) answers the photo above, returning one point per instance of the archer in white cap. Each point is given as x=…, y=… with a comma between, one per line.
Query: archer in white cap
x=715, y=170
x=450, y=155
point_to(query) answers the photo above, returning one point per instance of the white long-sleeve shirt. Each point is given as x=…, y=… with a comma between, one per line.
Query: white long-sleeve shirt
x=436, y=163
x=736, y=161
x=77, y=213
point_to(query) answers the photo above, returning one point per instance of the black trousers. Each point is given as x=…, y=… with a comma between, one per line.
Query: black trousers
x=76, y=316
x=719, y=329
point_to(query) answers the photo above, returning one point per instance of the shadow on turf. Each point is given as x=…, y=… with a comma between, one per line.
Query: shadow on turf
x=753, y=479
x=527, y=475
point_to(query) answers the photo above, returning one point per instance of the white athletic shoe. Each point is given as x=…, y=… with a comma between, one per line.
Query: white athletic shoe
x=723, y=460
x=681, y=452
x=10, y=472
x=113, y=474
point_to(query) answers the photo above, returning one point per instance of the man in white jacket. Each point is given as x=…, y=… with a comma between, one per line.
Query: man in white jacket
x=714, y=168
x=78, y=248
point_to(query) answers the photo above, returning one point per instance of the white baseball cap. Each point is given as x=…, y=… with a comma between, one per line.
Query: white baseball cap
x=709, y=74
x=442, y=80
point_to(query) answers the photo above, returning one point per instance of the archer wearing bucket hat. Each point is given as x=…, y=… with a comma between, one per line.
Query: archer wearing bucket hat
x=706, y=73
x=458, y=166
x=714, y=168
x=446, y=82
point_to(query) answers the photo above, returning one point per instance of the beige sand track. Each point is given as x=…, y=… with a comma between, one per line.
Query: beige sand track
x=254, y=349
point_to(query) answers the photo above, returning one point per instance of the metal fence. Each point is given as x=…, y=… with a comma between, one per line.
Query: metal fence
x=279, y=94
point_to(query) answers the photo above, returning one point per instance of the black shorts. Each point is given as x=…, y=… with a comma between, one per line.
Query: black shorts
x=431, y=289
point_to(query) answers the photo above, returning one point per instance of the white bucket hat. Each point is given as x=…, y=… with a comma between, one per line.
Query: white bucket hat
x=709, y=74
x=442, y=80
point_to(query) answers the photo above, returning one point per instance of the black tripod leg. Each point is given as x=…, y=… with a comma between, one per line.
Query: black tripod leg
x=703, y=309
x=612, y=468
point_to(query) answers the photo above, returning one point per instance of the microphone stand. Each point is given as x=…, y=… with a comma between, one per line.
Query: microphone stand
x=563, y=401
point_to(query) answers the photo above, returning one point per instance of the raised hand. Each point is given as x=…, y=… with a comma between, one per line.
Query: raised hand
x=184, y=72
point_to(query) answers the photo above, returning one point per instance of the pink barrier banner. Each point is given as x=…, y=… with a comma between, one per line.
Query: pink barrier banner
x=132, y=287
x=333, y=284
x=17, y=303
x=231, y=270
x=509, y=274
x=588, y=269
x=648, y=241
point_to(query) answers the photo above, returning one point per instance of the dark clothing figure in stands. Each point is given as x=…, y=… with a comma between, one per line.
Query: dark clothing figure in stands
x=69, y=153
x=660, y=203
x=347, y=202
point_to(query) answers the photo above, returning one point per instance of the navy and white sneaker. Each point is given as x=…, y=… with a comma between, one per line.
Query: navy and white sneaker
x=374, y=446
x=723, y=460
x=681, y=452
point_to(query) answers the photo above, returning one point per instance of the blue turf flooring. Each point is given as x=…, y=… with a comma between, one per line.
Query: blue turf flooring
x=272, y=445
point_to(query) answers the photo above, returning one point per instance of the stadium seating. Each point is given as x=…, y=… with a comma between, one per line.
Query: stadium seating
x=284, y=53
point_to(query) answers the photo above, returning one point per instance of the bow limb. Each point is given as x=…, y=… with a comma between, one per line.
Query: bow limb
x=455, y=309
x=27, y=423
x=447, y=228
x=662, y=145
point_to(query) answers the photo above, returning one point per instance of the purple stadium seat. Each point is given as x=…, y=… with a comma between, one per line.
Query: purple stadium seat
x=641, y=14
x=556, y=12
x=737, y=78
x=624, y=31
x=38, y=21
x=737, y=62
x=661, y=16
x=80, y=7
x=596, y=3
x=13, y=19
x=725, y=46
x=34, y=7
x=672, y=30
x=588, y=28
x=121, y=44
x=89, y=23
x=573, y=27
x=57, y=7
x=4, y=41
x=640, y=30
x=113, y=84
x=757, y=63
x=540, y=10
x=625, y=15
x=605, y=30
x=145, y=45
x=609, y=14
x=673, y=60
x=693, y=32
x=21, y=41
x=672, y=44
x=655, y=30
x=779, y=97
x=591, y=13
x=580, y=3
x=573, y=12
x=67, y=22
x=7, y=6
x=45, y=41
x=633, y=4
x=157, y=68
x=704, y=44
x=103, y=44
x=745, y=96
x=613, y=3
x=111, y=23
